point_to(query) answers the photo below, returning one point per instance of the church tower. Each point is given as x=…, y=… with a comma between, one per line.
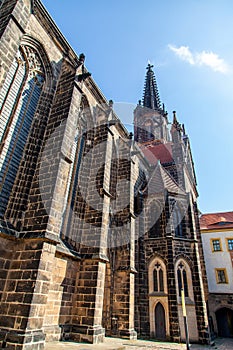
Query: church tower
x=169, y=254
x=150, y=118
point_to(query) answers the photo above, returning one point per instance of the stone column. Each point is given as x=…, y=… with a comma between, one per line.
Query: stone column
x=87, y=323
x=123, y=304
x=199, y=295
x=25, y=294
x=124, y=290
x=88, y=309
x=172, y=297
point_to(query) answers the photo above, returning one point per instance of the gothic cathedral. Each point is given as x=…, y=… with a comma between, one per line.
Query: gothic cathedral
x=99, y=228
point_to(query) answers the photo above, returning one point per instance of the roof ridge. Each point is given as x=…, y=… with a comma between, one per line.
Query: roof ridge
x=218, y=213
x=164, y=173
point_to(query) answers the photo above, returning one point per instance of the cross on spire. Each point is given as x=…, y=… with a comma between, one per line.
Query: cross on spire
x=151, y=95
x=149, y=66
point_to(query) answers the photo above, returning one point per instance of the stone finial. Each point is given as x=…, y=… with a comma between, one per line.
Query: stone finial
x=174, y=117
x=82, y=58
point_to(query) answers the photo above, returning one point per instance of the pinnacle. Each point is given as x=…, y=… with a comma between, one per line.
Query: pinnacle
x=151, y=95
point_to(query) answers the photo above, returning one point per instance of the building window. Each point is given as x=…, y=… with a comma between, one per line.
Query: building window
x=158, y=278
x=182, y=279
x=216, y=245
x=221, y=276
x=177, y=217
x=178, y=225
x=18, y=102
x=230, y=243
x=154, y=224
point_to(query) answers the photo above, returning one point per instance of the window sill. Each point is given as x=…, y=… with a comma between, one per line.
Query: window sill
x=156, y=294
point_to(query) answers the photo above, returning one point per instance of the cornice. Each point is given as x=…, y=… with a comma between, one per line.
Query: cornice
x=213, y=230
x=53, y=31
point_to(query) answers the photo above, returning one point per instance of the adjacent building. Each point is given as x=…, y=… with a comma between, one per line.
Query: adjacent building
x=217, y=240
x=99, y=229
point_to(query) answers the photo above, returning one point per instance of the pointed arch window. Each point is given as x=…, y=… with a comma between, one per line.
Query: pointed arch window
x=82, y=136
x=158, y=277
x=154, y=220
x=177, y=222
x=140, y=191
x=19, y=98
x=149, y=132
x=182, y=279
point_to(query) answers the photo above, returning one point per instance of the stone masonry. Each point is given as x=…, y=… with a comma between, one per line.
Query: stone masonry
x=90, y=237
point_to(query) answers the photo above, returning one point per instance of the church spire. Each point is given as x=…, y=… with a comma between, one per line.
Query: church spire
x=151, y=95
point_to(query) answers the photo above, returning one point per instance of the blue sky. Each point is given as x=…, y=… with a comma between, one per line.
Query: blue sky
x=190, y=43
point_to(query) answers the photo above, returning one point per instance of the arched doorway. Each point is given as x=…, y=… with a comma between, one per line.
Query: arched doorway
x=224, y=317
x=160, y=326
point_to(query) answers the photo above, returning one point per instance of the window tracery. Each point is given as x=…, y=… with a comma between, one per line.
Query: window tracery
x=158, y=278
x=182, y=279
x=19, y=98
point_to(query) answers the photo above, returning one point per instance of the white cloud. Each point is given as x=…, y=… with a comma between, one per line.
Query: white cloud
x=213, y=61
x=183, y=52
x=203, y=58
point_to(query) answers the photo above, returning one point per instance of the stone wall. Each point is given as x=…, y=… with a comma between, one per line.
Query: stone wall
x=27, y=272
x=75, y=246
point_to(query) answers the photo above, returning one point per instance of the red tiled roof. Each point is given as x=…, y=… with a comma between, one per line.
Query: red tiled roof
x=155, y=152
x=216, y=221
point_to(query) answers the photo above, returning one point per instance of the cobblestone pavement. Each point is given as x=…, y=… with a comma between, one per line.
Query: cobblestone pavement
x=121, y=344
x=223, y=344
